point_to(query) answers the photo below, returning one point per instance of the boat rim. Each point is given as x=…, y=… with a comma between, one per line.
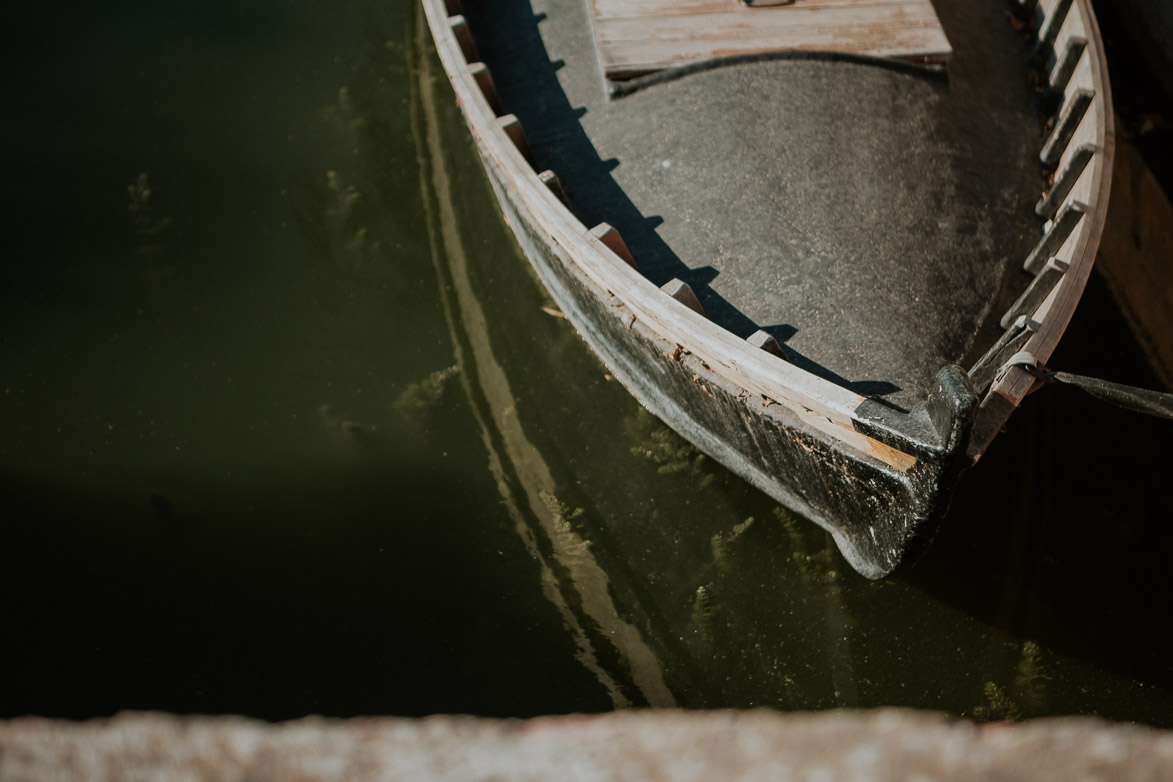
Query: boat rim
x=598, y=252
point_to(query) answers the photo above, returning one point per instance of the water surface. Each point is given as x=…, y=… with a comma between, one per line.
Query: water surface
x=287, y=426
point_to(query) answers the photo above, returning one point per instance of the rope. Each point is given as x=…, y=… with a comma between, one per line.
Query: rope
x=1139, y=400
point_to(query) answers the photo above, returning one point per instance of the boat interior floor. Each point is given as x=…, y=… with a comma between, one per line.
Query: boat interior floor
x=872, y=218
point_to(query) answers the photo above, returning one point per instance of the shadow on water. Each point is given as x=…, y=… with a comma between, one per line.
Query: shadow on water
x=1062, y=533
x=1063, y=530
x=312, y=594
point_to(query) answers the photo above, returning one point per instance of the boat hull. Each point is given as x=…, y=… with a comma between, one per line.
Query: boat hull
x=877, y=478
x=881, y=517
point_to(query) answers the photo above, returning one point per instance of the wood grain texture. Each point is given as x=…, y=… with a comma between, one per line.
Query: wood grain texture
x=1097, y=129
x=639, y=36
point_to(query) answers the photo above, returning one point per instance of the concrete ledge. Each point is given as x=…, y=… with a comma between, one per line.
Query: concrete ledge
x=667, y=745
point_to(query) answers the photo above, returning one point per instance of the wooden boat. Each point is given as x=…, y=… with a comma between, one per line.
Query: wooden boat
x=818, y=240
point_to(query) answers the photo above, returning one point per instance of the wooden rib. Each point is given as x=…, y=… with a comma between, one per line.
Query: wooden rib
x=1065, y=128
x=683, y=293
x=1091, y=188
x=1038, y=290
x=1049, y=31
x=453, y=7
x=763, y=340
x=512, y=127
x=484, y=80
x=550, y=180
x=1072, y=26
x=1089, y=131
x=1065, y=66
x=1080, y=80
x=1066, y=179
x=614, y=242
x=459, y=26
x=1053, y=239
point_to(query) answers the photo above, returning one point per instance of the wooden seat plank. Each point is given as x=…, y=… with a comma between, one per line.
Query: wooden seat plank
x=640, y=36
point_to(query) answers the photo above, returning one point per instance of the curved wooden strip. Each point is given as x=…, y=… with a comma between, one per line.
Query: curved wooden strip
x=1097, y=128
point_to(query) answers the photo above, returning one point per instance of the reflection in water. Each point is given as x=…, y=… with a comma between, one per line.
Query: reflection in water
x=571, y=578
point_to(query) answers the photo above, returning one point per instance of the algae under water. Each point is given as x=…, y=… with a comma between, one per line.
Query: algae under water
x=287, y=426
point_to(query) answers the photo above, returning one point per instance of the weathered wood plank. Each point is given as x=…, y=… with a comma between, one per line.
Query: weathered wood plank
x=618, y=8
x=637, y=36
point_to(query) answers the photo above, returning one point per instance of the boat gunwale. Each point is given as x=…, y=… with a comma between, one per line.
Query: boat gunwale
x=1052, y=316
x=756, y=370
x=832, y=408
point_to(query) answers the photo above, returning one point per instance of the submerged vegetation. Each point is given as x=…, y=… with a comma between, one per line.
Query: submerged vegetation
x=1025, y=696
x=338, y=423
x=342, y=229
x=147, y=227
x=998, y=705
x=670, y=452
x=815, y=568
x=721, y=541
x=418, y=399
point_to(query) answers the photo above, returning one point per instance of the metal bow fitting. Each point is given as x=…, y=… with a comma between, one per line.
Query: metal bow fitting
x=1138, y=400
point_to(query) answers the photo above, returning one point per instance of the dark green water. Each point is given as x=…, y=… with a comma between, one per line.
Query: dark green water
x=285, y=429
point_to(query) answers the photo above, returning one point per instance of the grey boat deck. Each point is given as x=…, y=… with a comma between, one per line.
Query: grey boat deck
x=872, y=217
